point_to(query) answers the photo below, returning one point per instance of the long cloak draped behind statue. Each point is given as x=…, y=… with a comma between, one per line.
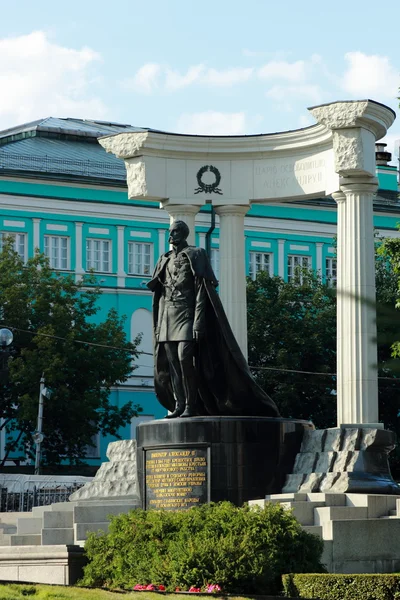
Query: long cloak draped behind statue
x=225, y=384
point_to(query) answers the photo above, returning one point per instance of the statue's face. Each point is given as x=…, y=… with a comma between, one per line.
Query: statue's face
x=176, y=235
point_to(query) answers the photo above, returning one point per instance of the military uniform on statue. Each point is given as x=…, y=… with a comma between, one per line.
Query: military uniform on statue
x=199, y=368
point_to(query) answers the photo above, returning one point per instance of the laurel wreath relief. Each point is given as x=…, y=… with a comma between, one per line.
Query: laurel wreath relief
x=208, y=188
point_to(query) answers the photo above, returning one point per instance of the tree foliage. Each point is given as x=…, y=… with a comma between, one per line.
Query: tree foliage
x=50, y=315
x=292, y=327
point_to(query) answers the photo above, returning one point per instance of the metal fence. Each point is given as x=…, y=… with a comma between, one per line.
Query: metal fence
x=50, y=164
x=22, y=496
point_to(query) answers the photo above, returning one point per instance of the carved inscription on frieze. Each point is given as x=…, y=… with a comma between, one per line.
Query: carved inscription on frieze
x=276, y=176
x=176, y=478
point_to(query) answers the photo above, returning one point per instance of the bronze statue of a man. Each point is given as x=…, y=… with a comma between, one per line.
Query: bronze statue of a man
x=199, y=368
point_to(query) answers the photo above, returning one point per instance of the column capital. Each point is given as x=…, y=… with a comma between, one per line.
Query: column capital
x=179, y=209
x=232, y=209
x=361, y=185
x=339, y=196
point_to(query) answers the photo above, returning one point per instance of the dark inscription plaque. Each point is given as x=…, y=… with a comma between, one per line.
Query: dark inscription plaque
x=176, y=478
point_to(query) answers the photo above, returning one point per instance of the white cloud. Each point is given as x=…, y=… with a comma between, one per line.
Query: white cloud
x=212, y=123
x=154, y=76
x=175, y=81
x=39, y=79
x=370, y=75
x=145, y=79
x=279, y=69
x=286, y=93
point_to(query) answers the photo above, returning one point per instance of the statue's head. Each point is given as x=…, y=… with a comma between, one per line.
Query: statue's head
x=178, y=233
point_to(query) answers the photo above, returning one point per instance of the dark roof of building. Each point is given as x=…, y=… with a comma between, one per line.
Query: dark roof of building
x=62, y=148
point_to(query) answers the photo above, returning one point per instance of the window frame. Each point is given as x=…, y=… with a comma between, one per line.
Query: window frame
x=132, y=258
x=252, y=263
x=14, y=234
x=102, y=241
x=292, y=277
x=331, y=271
x=58, y=237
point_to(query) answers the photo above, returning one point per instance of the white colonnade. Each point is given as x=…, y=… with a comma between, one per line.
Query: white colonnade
x=334, y=157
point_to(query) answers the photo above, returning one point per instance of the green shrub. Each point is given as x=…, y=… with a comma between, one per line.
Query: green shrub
x=244, y=550
x=342, y=587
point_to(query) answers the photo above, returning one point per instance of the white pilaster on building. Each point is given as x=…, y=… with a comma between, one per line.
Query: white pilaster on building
x=281, y=258
x=36, y=234
x=202, y=239
x=357, y=377
x=186, y=213
x=121, y=273
x=319, y=246
x=232, y=277
x=79, y=270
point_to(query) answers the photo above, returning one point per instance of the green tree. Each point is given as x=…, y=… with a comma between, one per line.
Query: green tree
x=51, y=315
x=292, y=327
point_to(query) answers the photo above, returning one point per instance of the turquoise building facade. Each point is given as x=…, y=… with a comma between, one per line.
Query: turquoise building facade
x=62, y=193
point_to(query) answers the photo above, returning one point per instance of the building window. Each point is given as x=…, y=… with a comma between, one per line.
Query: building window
x=19, y=242
x=330, y=271
x=260, y=261
x=139, y=258
x=93, y=450
x=296, y=264
x=56, y=249
x=98, y=255
x=215, y=261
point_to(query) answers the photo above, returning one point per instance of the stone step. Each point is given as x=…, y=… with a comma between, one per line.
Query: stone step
x=59, y=519
x=378, y=505
x=7, y=528
x=26, y=540
x=59, y=536
x=329, y=499
x=288, y=497
x=97, y=513
x=5, y=539
x=327, y=514
x=314, y=529
x=29, y=525
x=303, y=511
x=83, y=529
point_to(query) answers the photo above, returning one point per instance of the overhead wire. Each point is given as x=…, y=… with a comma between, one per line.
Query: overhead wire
x=141, y=352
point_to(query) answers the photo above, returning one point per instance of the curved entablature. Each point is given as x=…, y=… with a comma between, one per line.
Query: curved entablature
x=191, y=169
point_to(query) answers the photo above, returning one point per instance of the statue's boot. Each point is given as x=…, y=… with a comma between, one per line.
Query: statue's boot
x=179, y=409
x=190, y=386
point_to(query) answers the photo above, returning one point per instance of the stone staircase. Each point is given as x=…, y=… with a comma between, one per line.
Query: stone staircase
x=360, y=531
x=64, y=523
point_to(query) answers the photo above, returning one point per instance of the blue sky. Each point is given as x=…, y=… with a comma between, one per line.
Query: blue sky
x=213, y=67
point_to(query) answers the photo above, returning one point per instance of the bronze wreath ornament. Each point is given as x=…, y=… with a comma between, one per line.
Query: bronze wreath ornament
x=208, y=188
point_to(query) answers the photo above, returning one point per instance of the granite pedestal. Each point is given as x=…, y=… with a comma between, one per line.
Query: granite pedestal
x=186, y=462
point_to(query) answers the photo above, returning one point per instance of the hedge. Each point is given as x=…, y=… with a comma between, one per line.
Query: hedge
x=342, y=587
x=241, y=549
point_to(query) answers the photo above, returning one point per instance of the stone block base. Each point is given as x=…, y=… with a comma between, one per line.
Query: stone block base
x=60, y=565
x=360, y=531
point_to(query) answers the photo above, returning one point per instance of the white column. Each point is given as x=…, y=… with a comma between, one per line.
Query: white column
x=232, y=274
x=357, y=376
x=36, y=234
x=161, y=242
x=186, y=213
x=281, y=258
x=79, y=271
x=319, y=246
x=121, y=273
